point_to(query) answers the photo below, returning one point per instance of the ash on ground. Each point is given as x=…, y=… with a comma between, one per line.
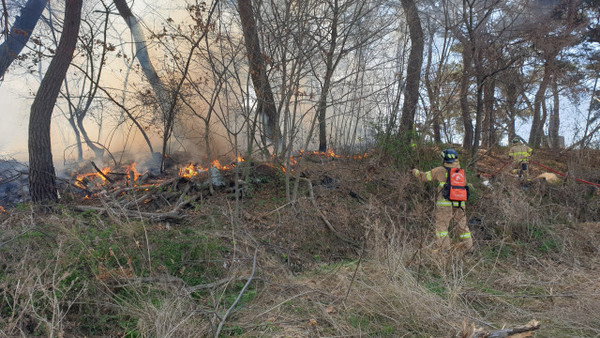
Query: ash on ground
x=14, y=183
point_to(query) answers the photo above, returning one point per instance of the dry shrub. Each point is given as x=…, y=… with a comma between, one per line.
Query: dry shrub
x=38, y=292
x=505, y=205
x=388, y=290
x=166, y=313
x=16, y=287
x=401, y=301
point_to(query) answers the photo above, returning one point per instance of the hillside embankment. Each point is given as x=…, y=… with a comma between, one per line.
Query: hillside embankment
x=176, y=256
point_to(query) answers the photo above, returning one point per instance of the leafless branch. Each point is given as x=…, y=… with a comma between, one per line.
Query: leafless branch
x=222, y=322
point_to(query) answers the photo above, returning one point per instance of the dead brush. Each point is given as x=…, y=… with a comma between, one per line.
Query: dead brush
x=16, y=286
x=39, y=289
x=510, y=213
x=164, y=312
x=391, y=276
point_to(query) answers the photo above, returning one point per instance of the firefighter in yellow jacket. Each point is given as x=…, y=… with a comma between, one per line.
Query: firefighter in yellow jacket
x=446, y=211
x=519, y=153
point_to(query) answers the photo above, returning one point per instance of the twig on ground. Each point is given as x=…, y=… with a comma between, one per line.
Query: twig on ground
x=17, y=237
x=362, y=251
x=528, y=328
x=117, y=192
x=222, y=322
x=284, y=302
x=329, y=226
x=32, y=228
x=153, y=216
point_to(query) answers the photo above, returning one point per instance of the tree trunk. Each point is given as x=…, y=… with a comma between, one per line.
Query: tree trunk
x=511, y=102
x=433, y=96
x=543, y=138
x=20, y=33
x=554, y=123
x=478, y=114
x=480, y=83
x=535, y=134
x=141, y=53
x=78, y=144
x=98, y=152
x=258, y=73
x=467, y=55
x=42, y=181
x=413, y=70
x=329, y=68
x=489, y=130
x=143, y=58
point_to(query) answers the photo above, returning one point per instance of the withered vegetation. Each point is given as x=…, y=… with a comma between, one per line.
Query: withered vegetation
x=351, y=256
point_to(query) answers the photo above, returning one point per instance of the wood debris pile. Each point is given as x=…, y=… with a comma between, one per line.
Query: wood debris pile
x=152, y=196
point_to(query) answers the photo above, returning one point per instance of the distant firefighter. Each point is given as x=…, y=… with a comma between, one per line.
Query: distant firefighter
x=451, y=198
x=520, y=153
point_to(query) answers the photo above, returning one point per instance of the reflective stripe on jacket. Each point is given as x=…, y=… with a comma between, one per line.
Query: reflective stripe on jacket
x=520, y=153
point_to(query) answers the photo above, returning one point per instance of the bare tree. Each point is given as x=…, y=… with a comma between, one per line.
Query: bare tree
x=329, y=69
x=142, y=55
x=79, y=105
x=436, y=75
x=258, y=72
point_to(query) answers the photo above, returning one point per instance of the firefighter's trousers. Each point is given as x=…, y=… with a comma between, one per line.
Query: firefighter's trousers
x=522, y=170
x=444, y=216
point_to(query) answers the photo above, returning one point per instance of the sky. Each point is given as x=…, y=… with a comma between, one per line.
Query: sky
x=14, y=120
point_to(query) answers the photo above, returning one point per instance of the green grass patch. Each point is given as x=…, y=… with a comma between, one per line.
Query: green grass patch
x=358, y=321
x=436, y=287
x=500, y=251
x=190, y=254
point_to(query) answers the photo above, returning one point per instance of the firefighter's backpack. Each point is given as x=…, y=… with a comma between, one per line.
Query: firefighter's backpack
x=455, y=189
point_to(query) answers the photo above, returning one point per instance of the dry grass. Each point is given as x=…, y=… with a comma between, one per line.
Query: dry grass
x=91, y=274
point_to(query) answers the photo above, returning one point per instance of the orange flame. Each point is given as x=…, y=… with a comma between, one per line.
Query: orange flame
x=219, y=166
x=131, y=170
x=190, y=171
x=79, y=180
x=2, y=209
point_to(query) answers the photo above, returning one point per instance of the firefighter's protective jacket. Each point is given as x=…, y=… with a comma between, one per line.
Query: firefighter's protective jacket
x=520, y=153
x=439, y=174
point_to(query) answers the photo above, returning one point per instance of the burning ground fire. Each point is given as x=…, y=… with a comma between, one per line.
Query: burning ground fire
x=192, y=170
x=102, y=177
x=81, y=179
x=330, y=153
